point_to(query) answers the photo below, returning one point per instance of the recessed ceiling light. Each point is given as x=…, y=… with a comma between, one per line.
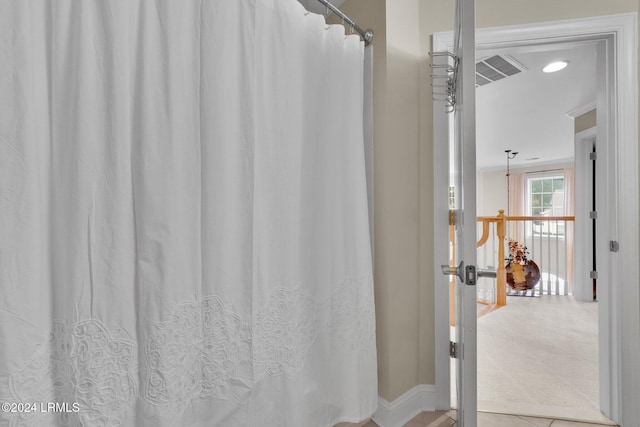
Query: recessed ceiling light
x=555, y=66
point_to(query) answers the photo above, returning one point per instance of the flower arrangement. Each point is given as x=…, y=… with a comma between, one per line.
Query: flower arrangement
x=517, y=253
x=522, y=273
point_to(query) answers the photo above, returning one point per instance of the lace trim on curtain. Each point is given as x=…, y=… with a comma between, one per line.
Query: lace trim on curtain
x=196, y=353
x=86, y=364
x=203, y=350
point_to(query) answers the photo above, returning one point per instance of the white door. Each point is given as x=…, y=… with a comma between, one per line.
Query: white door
x=584, y=228
x=462, y=189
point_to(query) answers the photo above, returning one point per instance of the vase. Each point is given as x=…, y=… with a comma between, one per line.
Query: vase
x=523, y=277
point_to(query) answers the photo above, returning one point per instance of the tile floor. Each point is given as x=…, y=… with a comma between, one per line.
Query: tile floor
x=447, y=419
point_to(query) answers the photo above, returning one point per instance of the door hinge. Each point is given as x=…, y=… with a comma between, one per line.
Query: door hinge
x=593, y=274
x=453, y=350
x=593, y=215
x=593, y=156
x=452, y=197
x=455, y=217
x=614, y=246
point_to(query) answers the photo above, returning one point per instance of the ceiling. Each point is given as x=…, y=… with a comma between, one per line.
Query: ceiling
x=527, y=112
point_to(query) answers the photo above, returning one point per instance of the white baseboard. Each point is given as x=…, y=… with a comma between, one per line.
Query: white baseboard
x=399, y=412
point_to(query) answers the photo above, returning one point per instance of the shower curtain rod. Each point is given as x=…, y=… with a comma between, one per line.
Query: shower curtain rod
x=367, y=35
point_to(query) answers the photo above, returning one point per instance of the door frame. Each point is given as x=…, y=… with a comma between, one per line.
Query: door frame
x=620, y=302
x=583, y=248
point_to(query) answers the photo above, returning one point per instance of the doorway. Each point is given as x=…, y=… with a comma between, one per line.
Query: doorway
x=618, y=320
x=538, y=355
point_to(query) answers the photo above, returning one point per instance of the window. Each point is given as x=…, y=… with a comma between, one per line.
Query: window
x=546, y=198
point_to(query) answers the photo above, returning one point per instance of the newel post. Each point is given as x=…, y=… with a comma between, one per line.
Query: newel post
x=501, y=280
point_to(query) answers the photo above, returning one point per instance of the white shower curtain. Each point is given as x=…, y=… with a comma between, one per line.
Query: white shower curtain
x=184, y=237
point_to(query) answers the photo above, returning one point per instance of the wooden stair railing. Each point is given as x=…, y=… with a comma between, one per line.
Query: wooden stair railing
x=501, y=221
x=501, y=279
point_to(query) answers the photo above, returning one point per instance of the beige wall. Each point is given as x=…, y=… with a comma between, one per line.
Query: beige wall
x=585, y=121
x=491, y=192
x=397, y=203
x=493, y=13
x=491, y=187
x=402, y=308
x=403, y=149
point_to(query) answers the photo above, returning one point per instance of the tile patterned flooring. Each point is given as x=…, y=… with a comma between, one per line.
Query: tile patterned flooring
x=447, y=419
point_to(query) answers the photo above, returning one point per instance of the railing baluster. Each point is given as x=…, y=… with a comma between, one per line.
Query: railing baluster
x=494, y=240
x=566, y=258
x=543, y=262
x=525, y=230
x=552, y=284
x=557, y=269
x=493, y=257
x=555, y=291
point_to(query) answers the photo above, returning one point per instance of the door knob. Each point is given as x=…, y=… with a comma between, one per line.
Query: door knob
x=468, y=275
x=487, y=273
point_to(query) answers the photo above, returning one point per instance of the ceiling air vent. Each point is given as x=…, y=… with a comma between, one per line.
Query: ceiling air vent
x=495, y=68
